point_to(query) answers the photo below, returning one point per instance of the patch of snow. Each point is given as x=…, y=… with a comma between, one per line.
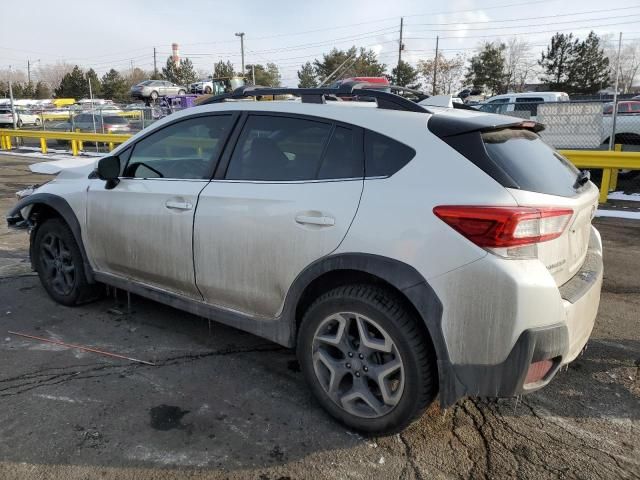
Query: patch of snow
x=634, y=197
x=617, y=214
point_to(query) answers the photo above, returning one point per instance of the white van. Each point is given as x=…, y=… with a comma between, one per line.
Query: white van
x=521, y=104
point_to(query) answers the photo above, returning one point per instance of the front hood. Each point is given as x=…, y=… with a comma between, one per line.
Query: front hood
x=67, y=168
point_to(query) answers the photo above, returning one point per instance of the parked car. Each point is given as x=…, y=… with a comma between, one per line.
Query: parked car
x=627, y=107
x=329, y=227
x=152, y=89
x=23, y=117
x=217, y=86
x=104, y=123
x=527, y=103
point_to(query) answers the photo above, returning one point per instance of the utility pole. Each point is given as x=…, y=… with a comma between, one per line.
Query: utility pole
x=253, y=73
x=28, y=72
x=400, y=47
x=13, y=110
x=435, y=67
x=241, y=35
x=155, y=65
x=612, y=137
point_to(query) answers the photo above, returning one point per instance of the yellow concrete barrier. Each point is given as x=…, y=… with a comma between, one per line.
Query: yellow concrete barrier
x=75, y=138
x=608, y=161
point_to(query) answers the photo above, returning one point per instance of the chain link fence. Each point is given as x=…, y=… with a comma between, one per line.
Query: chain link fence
x=579, y=125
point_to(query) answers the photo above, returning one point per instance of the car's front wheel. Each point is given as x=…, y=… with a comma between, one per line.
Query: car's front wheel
x=59, y=264
x=181, y=92
x=154, y=95
x=366, y=359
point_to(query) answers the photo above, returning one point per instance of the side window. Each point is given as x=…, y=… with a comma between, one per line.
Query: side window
x=528, y=104
x=635, y=107
x=343, y=157
x=495, y=106
x=184, y=150
x=384, y=156
x=278, y=149
x=623, y=108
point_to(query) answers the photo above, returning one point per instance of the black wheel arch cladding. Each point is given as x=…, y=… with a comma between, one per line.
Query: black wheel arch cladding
x=64, y=211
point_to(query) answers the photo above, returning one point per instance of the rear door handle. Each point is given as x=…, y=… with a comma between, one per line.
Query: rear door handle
x=311, y=220
x=175, y=205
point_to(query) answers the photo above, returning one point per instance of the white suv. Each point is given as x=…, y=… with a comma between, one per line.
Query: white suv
x=405, y=253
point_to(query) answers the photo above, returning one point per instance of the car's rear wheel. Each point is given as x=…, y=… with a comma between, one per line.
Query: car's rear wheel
x=59, y=264
x=207, y=90
x=181, y=92
x=19, y=123
x=366, y=359
x=37, y=122
x=154, y=95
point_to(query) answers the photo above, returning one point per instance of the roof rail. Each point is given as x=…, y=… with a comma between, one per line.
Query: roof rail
x=385, y=100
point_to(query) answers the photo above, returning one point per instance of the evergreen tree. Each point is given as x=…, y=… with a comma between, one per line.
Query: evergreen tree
x=361, y=63
x=114, y=87
x=96, y=86
x=486, y=69
x=268, y=76
x=182, y=74
x=405, y=75
x=307, y=76
x=73, y=85
x=590, y=68
x=42, y=91
x=558, y=61
x=223, y=69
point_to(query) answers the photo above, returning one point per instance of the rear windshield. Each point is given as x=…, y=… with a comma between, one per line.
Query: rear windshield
x=531, y=163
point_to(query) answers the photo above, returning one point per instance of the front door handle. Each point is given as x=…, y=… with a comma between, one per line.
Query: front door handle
x=175, y=205
x=313, y=220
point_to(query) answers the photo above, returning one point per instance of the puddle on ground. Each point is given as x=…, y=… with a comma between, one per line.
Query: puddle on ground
x=167, y=417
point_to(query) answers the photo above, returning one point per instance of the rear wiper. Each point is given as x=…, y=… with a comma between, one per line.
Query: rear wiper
x=583, y=177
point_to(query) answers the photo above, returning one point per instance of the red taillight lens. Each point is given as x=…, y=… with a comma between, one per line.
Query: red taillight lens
x=496, y=227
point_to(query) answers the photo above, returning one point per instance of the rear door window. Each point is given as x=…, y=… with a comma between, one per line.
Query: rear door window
x=529, y=162
x=343, y=157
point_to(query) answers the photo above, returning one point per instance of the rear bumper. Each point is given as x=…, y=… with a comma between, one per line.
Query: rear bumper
x=569, y=321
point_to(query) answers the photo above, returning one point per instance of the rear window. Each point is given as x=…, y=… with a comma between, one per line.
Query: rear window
x=529, y=162
x=115, y=120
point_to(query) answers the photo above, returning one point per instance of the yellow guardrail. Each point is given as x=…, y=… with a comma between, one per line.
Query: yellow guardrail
x=608, y=161
x=75, y=138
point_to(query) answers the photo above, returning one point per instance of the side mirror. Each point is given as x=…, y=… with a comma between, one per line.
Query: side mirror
x=109, y=170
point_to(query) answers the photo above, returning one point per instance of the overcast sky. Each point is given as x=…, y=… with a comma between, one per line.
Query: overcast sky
x=119, y=33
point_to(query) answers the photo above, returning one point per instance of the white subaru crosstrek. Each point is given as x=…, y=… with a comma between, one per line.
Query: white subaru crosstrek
x=405, y=251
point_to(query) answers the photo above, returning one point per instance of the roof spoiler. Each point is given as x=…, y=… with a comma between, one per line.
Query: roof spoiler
x=443, y=125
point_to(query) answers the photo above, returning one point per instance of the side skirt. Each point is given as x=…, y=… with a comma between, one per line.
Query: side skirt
x=276, y=329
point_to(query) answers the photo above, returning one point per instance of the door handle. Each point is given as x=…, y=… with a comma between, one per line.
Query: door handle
x=312, y=220
x=175, y=205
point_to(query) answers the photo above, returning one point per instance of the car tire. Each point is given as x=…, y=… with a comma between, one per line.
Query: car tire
x=59, y=264
x=154, y=96
x=19, y=123
x=181, y=92
x=37, y=122
x=350, y=389
x=207, y=90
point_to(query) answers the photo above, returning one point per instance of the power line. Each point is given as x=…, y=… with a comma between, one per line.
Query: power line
x=529, y=25
x=527, y=18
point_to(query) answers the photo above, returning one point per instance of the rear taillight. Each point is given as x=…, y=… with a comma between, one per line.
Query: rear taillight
x=505, y=227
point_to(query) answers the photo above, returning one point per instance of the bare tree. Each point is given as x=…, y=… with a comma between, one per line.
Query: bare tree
x=449, y=73
x=17, y=76
x=629, y=62
x=519, y=64
x=52, y=74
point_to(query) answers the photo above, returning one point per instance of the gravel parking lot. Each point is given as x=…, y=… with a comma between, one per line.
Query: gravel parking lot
x=220, y=403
